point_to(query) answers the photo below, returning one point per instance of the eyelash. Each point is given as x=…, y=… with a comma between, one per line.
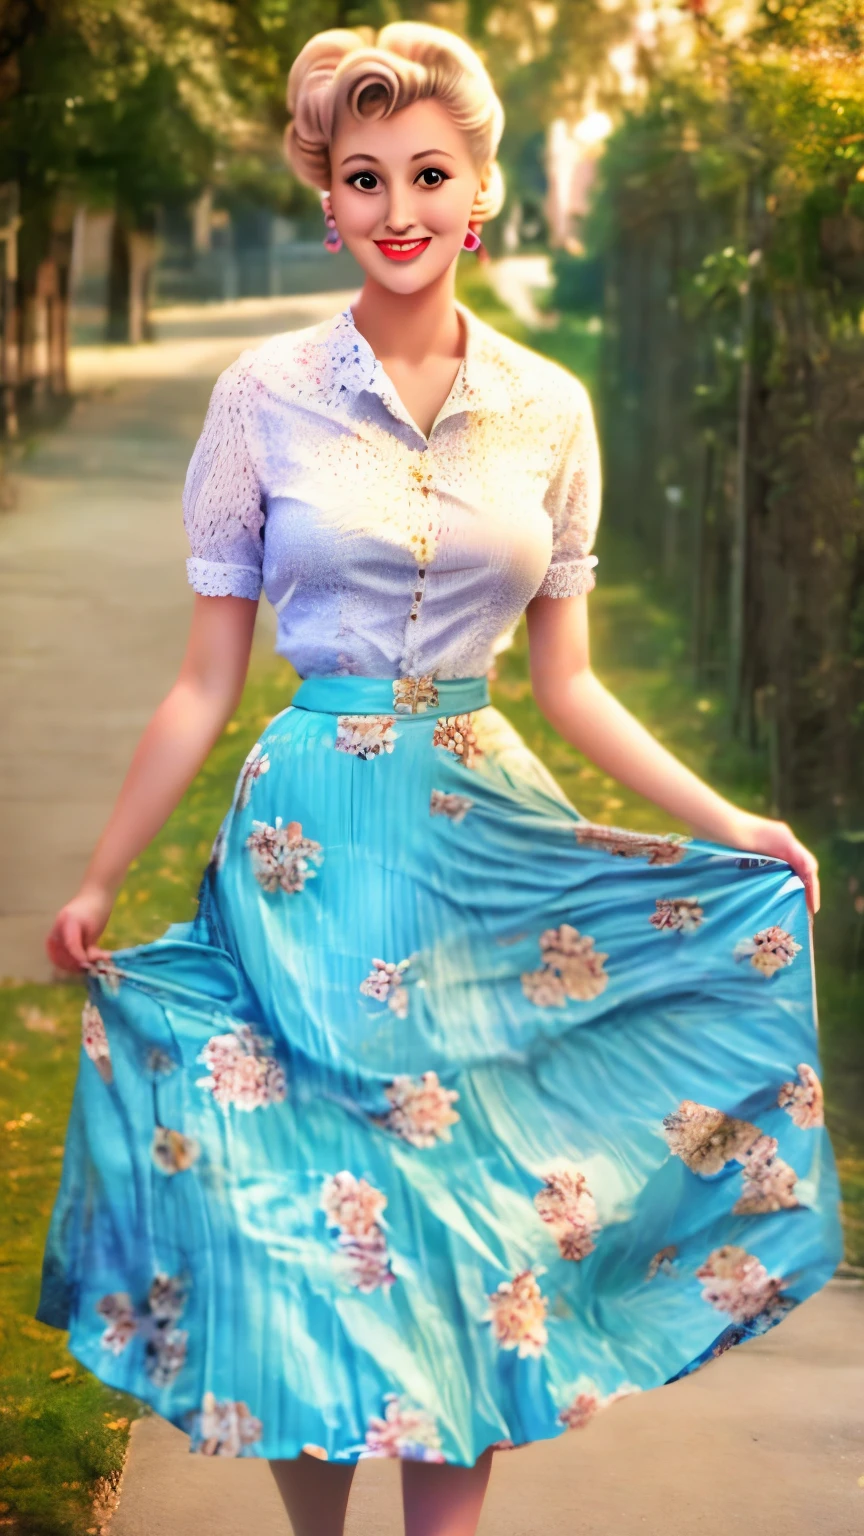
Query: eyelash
x=353, y=181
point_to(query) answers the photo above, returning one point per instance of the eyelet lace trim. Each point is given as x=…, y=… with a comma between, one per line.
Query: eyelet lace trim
x=211, y=578
x=570, y=579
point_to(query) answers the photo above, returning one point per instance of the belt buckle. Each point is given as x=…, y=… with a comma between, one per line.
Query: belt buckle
x=414, y=695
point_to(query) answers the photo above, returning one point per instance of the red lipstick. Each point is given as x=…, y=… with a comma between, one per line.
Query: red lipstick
x=403, y=250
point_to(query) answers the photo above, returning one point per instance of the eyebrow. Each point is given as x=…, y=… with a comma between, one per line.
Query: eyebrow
x=423, y=154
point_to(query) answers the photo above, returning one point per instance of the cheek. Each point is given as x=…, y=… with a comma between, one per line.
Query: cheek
x=354, y=214
x=449, y=209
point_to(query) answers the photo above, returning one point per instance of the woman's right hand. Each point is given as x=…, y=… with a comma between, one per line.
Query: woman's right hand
x=71, y=944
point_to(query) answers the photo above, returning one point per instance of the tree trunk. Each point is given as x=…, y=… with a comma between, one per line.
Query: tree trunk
x=9, y=360
x=133, y=256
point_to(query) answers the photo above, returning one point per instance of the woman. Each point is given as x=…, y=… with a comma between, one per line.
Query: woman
x=451, y=1117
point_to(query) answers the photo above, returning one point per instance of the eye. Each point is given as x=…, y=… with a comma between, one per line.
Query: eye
x=364, y=181
x=432, y=177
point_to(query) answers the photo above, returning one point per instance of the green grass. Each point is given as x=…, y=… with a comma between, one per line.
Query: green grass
x=62, y=1436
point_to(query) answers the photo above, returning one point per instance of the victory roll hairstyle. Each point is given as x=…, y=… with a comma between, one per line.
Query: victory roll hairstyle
x=372, y=76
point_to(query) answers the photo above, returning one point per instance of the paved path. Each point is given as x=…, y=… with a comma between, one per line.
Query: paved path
x=764, y=1442
x=94, y=604
x=519, y=281
x=93, y=612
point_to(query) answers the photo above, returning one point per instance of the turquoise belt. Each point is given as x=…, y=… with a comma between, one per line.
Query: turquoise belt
x=392, y=696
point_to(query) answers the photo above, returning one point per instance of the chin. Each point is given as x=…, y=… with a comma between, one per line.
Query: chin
x=405, y=277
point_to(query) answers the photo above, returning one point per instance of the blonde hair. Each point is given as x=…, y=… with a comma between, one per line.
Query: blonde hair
x=372, y=76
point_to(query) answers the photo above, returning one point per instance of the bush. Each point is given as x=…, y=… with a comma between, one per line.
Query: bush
x=577, y=283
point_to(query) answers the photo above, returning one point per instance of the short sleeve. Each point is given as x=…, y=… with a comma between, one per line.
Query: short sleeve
x=223, y=505
x=574, y=499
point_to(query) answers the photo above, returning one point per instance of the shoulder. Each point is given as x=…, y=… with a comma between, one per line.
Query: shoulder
x=306, y=367
x=285, y=355
x=532, y=382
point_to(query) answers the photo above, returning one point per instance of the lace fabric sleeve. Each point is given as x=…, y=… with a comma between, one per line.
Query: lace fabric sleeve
x=575, y=504
x=223, y=505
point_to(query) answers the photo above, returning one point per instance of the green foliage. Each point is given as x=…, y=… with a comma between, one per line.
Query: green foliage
x=730, y=220
x=123, y=102
x=577, y=283
x=776, y=119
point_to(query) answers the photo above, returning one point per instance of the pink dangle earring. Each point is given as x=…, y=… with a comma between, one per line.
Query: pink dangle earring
x=472, y=241
x=332, y=239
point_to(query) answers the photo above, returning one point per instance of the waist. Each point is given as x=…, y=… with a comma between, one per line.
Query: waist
x=392, y=696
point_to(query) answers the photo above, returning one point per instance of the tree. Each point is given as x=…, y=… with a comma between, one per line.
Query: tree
x=119, y=102
x=730, y=222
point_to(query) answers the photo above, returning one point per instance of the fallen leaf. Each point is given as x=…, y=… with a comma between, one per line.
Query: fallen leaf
x=38, y=1022
x=20, y=1124
x=62, y=1373
x=232, y=727
x=117, y=1424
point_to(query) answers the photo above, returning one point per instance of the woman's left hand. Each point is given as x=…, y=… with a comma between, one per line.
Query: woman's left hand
x=759, y=834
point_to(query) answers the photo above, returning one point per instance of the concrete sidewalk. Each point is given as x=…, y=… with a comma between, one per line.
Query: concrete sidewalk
x=94, y=603
x=765, y=1441
x=94, y=608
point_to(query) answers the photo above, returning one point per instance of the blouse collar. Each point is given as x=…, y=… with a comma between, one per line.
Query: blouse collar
x=336, y=364
x=478, y=384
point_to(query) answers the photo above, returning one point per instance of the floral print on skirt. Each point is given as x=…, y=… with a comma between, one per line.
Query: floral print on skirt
x=440, y=1073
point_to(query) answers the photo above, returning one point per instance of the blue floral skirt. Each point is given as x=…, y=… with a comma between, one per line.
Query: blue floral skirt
x=451, y=1117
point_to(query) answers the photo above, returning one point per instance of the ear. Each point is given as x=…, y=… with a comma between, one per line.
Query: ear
x=480, y=206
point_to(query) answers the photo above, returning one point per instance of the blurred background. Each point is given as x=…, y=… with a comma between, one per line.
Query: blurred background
x=684, y=229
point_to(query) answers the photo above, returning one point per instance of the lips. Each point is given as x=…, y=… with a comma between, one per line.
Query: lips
x=402, y=250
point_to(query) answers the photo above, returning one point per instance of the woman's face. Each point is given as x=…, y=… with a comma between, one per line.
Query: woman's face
x=402, y=192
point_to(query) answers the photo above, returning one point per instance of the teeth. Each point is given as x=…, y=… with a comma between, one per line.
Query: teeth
x=404, y=245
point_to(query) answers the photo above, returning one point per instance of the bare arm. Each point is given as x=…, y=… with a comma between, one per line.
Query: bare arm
x=173, y=747
x=587, y=715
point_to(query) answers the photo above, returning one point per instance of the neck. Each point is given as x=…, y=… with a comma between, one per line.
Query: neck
x=411, y=326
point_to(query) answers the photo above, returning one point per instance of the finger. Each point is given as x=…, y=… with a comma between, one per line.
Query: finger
x=57, y=954
x=70, y=934
x=62, y=960
x=813, y=873
x=57, y=950
x=95, y=953
x=807, y=870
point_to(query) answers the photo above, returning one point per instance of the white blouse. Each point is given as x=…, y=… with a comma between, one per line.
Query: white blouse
x=383, y=552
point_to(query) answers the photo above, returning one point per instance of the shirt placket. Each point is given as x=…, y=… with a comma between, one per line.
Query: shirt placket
x=424, y=537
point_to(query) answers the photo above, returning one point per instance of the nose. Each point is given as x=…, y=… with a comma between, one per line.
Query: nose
x=400, y=217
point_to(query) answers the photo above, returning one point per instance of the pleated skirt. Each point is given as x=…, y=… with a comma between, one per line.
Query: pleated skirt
x=451, y=1117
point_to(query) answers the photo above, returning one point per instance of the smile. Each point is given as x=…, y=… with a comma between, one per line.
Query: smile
x=402, y=250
